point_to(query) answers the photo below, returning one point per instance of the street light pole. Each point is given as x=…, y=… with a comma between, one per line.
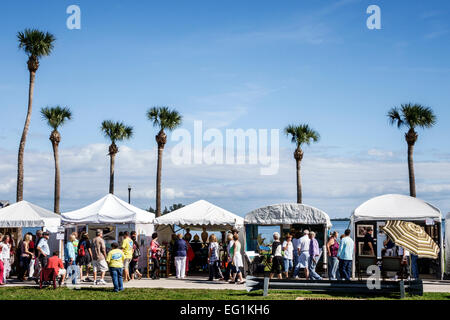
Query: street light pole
x=129, y=193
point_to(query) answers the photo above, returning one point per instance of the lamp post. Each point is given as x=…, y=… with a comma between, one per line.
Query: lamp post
x=129, y=193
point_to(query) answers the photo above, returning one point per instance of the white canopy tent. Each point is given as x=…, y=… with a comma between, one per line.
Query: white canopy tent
x=24, y=214
x=109, y=209
x=202, y=214
x=196, y=216
x=396, y=207
x=114, y=214
x=287, y=213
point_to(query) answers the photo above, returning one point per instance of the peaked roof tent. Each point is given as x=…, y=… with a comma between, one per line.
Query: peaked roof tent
x=395, y=207
x=109, y=209
x=24, y=214
x=202, y=214
x=287, y=213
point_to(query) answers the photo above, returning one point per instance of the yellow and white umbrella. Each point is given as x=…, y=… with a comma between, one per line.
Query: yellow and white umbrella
x=412, y=237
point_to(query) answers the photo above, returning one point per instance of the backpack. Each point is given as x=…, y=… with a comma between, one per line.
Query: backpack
x=81, y=250
x=136, y=252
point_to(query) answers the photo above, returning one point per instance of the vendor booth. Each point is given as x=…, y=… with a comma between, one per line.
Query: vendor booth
x=112, y=215
x=24, y=214
x=200, y=215
x=374, y=213
x=286, y=218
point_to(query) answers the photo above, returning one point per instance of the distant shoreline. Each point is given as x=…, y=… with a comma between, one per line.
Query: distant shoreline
x=340, y=219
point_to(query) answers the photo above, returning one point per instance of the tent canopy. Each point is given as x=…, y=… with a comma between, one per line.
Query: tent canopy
x=24, y=214
x=109, y=209
x=395, y=207
x=202, y=214
x=287, y=213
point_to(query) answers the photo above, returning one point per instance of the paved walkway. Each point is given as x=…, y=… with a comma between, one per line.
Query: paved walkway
x=196, y=282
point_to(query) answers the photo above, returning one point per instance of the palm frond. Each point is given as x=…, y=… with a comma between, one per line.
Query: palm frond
x=301, y=134
x=164, y=118
x=56, y=116
x=395, y=117
x=116, y=131
x=35, y=42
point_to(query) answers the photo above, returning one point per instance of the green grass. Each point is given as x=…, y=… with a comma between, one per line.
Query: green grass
x=32, y=293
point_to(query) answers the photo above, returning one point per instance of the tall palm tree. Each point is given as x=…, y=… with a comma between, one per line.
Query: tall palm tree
x=411, y=116
x=163, y=118
x=36, y=44
x=300, y=134
x=115, y=131
x=56, y=117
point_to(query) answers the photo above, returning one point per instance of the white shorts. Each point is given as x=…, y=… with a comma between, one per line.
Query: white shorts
x=99, y=265
x=61, y=272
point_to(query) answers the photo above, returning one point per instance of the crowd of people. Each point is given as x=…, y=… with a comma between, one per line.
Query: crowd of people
x=183, y=253
x=303, y=252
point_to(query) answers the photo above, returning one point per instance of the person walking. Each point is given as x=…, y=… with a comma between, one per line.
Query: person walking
x=127, y=247
x=180, y=252
x=26, y=256
x=155, y=254
x=5, y=256
x=295, y=245
x=99, y=257
x=229, y=241
x=303, y=255
x=84, y=256
x=332, y=251
x=134, y=263
x=70, y=258
x=277, y=257
x=288, y=249
x=345, y=255
x=236, y=262
x=213, y=259
x=314, y=255
x=115, y=260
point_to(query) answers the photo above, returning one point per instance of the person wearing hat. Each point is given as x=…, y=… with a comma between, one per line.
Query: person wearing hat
x=44, y=249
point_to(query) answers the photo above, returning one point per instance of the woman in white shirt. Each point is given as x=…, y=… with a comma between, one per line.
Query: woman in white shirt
x=288, y=249
x=5, y=255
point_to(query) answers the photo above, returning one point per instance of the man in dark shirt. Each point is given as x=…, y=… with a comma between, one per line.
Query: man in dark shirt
x=368, y=248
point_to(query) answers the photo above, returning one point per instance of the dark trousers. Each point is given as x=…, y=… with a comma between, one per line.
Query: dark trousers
x=117, y=278
x=155, y=272
x=345, y=269
x=214, y=270
x=227, y=274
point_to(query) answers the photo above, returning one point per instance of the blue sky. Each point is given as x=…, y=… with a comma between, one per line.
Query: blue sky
x=232, y=64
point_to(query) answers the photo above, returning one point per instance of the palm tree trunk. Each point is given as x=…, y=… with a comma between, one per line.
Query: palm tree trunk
x=158, y=181
x=412, y=178
x=299, y=183
x=20, y=173
x=57, y=178
x=111, y=172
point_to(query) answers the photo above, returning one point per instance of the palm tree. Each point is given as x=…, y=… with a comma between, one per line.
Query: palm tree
x=56, y=117
x=162, y=118
x=115, y=131
x=411, y=116
x=299, y=135
x=36, y=44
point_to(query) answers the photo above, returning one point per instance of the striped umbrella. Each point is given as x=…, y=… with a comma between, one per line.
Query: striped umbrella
x=412, y=237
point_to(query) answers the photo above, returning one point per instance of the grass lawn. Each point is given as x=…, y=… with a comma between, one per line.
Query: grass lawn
x=17, y=293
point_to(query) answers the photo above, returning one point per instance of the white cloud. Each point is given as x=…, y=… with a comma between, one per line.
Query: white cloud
x=336, y=185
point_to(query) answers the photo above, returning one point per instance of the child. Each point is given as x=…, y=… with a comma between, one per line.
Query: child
x=115, y=260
